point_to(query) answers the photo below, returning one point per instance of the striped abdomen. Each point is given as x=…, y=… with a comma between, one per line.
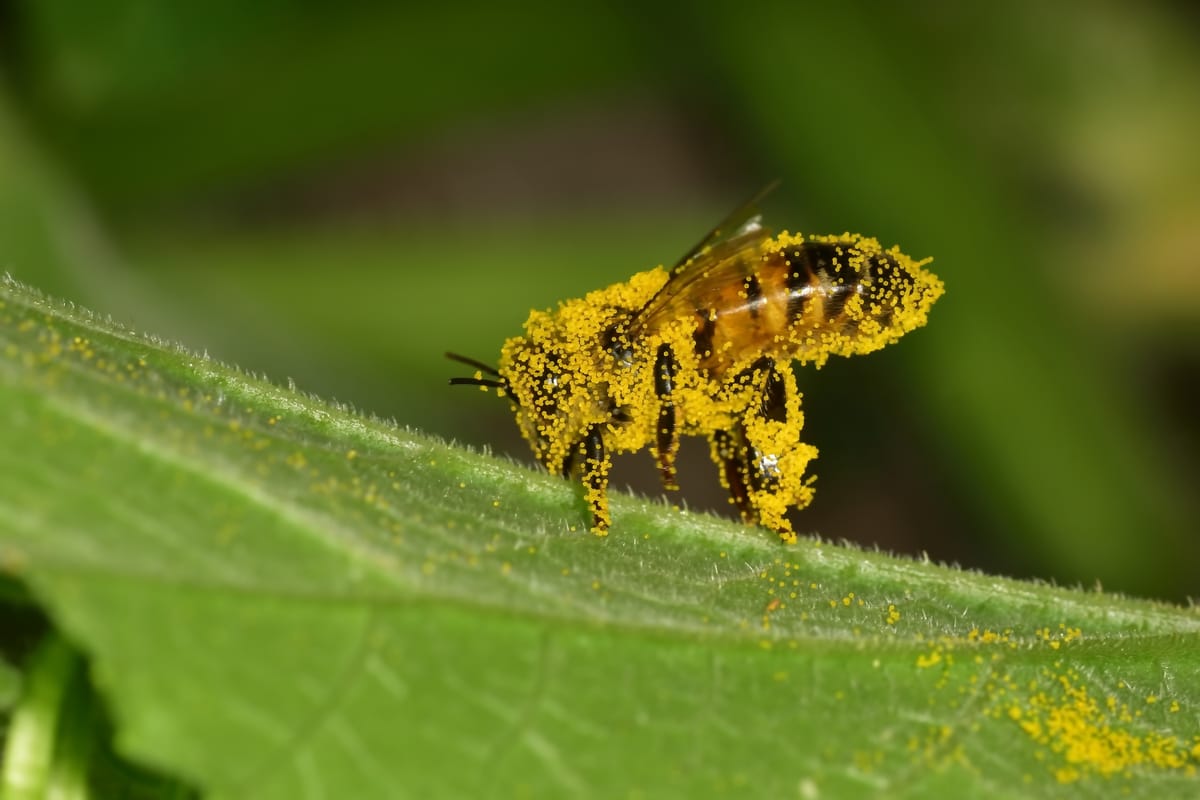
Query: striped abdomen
x=793, y=304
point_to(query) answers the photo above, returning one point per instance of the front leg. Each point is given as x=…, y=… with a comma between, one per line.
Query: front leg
x=666, y=436
x=593, y=464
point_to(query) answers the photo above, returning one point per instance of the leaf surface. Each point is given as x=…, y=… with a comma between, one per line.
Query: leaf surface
x=283, y=598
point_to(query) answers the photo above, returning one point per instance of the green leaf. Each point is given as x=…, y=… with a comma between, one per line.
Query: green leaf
x=283, y=598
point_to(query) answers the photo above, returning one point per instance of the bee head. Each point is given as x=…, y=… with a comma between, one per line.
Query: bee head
x=534, y=382
x=550, y=397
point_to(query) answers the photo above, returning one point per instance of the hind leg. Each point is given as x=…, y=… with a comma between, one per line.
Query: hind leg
x=726, y=448
x=762, y=459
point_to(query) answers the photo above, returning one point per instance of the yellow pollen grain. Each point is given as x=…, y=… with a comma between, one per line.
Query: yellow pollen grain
x=932, y=658
x=1095, y=738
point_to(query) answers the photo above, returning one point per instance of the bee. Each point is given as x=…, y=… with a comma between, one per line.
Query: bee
x=705, y=349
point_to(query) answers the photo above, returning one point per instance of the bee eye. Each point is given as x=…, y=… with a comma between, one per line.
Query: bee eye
x=546, y=392
x=617, y=344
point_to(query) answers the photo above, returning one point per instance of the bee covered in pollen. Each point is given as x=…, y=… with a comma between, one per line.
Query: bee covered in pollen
x=704, y=349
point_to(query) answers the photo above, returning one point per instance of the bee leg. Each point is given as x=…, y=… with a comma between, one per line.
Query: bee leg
x=667, y=445
x=588, y=459
x=762, y=467
x=761, y=456
x=773, y=405
x=774, y=457
x=732, y=450
x=727, y=448
x=595, y=478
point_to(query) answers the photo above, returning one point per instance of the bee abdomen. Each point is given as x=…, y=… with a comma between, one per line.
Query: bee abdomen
x=742, y=319
x=820, y=281
x=795, y=303
x=823, y=276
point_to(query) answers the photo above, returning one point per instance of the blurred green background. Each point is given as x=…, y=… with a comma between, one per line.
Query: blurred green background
x=336, y=194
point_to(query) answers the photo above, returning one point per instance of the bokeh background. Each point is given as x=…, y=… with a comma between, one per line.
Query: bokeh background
x=337, y=193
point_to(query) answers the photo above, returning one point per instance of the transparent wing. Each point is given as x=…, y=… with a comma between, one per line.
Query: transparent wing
x=718, y=257
x=742, y=220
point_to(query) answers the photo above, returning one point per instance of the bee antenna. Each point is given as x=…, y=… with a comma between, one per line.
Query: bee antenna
x=478, y=382
x=470, y=362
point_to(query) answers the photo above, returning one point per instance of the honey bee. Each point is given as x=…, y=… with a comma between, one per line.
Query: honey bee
x=704, y=349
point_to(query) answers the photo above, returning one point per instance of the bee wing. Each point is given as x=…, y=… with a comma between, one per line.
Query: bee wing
x=743, y=219
x=716, y=256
